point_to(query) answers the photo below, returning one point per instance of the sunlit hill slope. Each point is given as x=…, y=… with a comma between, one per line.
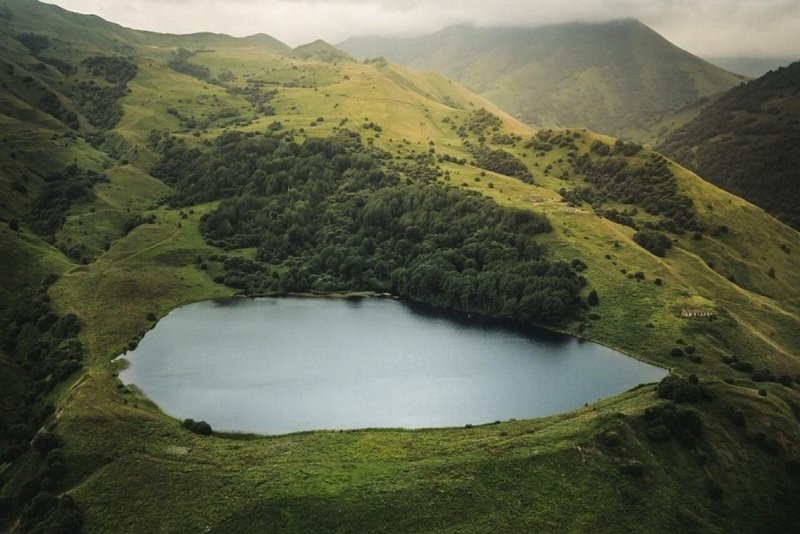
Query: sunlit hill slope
x=145, y=171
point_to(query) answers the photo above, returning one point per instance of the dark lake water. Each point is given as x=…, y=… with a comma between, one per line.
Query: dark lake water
x=282, y=365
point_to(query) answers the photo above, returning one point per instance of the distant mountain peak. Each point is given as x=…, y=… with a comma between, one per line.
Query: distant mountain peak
x=606, y=76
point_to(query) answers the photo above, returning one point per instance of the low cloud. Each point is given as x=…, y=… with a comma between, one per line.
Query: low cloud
x=711, y=28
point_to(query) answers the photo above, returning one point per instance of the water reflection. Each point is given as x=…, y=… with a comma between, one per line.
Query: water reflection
x=289, y=364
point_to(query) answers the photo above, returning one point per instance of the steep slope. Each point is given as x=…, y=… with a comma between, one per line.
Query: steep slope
x=607, y=77
x=746, y=142
x=244, y=134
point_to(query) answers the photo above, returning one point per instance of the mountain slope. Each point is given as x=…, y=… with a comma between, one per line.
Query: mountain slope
x=607, y=77
x=746, y=142
x=236, y=168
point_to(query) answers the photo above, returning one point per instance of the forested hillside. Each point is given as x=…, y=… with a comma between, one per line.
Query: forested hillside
x=746, y=142
x=141, y=172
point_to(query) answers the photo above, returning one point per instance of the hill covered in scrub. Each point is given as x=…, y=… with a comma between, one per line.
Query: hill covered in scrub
x=745, y=142
x=143, y=171
x=609, y=77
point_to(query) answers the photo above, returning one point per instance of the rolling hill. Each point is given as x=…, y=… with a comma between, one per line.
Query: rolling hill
x=170, y=169
x=607, y=77
x=745, y=141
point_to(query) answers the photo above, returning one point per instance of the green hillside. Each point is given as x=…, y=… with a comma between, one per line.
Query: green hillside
x=172, y=169
x=607, y=77
x=746, y=142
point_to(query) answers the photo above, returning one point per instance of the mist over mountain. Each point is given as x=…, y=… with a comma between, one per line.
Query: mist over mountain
x=141, y=171
x=608, y=77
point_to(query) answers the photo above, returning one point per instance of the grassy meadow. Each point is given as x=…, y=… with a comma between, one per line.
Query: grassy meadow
x=132, y=468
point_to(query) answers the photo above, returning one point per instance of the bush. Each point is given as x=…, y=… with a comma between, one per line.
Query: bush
x=47, y=514
x=679, y=389
x=763, y=375
x=44, y=442
x=634, y=468
x=659, y=433
x=654, y=242
x=198, y=427
x=743, y=366
x=593, y=298
x=766, y=443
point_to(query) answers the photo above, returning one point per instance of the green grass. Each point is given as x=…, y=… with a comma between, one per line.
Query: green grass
x=610, y=77
x=133, y=468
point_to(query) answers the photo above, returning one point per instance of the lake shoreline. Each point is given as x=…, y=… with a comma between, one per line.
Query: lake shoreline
x=296, y=358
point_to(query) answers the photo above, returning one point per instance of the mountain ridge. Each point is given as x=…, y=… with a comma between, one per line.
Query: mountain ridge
x=744, y=141
x=600, y=76
x=194, y=172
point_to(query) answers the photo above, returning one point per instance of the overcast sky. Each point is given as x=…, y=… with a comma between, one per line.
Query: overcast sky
x=710, y=28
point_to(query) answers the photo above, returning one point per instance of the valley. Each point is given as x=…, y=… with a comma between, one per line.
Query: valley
x=205, y=166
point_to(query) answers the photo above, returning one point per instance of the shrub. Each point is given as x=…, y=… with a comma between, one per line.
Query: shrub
x=47, y=513
x=578, y=265
x=677, y=352
x=198, y=427
x=679, y=389
x=743, y=366
x=659, y=433
x=593, y=298
x=737, y=416
x=785, y=380
x=763, y=375
x=634, y=468
x=44, y=442
x=766, y=443
x=654, y=242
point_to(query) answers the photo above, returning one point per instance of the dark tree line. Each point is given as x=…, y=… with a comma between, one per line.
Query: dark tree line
x=98, y=102
x=327, y=215
x=653, y=241
x=61, y=191
x=746, y=142
x=44, y=349
x=502, y=162
x=612, y=176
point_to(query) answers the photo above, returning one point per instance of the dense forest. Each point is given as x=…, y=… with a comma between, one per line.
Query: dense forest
x=332, y=215
x=612, y=174
x=746, y=142
x=44, y=352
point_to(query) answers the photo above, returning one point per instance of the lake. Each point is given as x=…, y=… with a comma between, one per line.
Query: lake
x=279, y=365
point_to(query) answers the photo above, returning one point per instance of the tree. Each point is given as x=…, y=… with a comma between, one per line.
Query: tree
x=593, y=299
